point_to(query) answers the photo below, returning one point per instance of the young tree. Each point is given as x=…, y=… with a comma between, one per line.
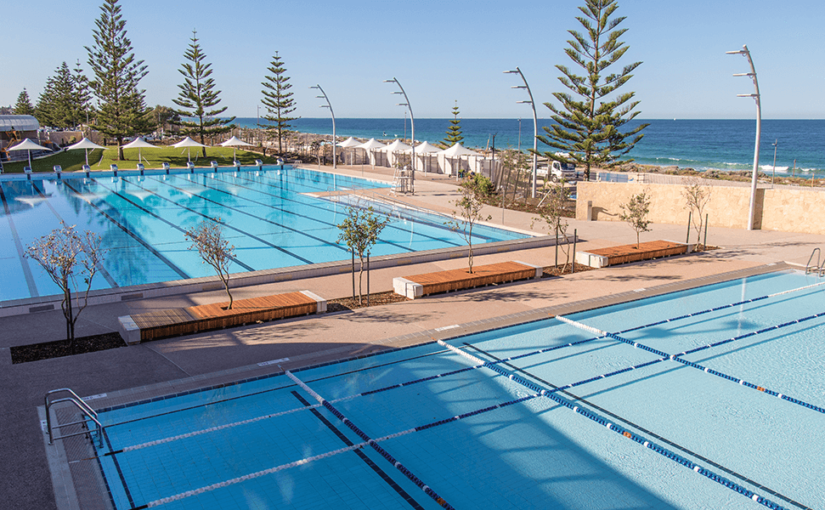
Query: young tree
x=24, y=104
x=121, y=105
x=454, y=135
x=635, y=214
x=57, y=106
x=215, y=250
x=587, y=128
x=468, y=213
x=360, y=231
x=696, y=199
x=516, y=164
x=198, y=94
x=163, y=117
x=278, y=100
x=551, y=213
x=61, y=253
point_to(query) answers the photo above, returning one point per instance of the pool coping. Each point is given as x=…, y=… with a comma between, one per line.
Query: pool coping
x=58, y=457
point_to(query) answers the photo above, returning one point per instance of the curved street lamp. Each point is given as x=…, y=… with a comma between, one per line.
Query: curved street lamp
x=329, y=105
x=535, y=123
x=756, y=96
x=412, y=125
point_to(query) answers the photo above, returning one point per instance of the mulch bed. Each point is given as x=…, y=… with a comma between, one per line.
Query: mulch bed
x=60, y=348
x=376, y=299
x=554, y=271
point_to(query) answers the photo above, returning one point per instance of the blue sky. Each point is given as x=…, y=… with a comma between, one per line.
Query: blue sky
x=442, y=51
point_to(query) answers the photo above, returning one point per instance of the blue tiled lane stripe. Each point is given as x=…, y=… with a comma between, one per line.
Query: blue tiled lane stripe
x=384, y=453
x=361, y=455
x=27, y=272
x=133, y=235
x=621, y=430
x=678, y=359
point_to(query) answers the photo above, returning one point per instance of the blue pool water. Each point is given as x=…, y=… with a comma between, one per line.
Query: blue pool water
x=267, y=216
x=675, y=430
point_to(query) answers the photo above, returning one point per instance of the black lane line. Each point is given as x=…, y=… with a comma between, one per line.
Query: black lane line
x=133, y=235
x=223, y=223
x=119, y=472
x=27, y=272
x=652, y=434
x=324, y=209
x=332, y=376
x=147, y=211
x=291, y=213
x=380, y=472
x=106, y=276
x=322, y=241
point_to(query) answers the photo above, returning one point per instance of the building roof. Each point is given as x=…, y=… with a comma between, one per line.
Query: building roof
x=18, y=123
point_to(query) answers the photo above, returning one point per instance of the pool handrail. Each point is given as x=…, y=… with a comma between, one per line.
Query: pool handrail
x=818, y=267
x=81, y=404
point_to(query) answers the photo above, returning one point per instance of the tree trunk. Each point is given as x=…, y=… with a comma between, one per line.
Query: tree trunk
x=353, y=273
x=68, y=312
x=226, y=286
x=470, y=258
x=360, y=277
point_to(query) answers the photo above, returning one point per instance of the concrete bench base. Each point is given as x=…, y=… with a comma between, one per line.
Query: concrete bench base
x=629, y=253
x=417, y=286
x=185, y=321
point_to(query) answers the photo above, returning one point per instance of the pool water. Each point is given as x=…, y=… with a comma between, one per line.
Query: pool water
x=483, y=436
x=267, y=215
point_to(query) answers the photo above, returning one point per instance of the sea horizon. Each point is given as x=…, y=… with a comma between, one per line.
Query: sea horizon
x=724, y=144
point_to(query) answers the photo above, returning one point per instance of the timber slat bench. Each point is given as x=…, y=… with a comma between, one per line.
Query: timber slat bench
x=186, y=321
x=616, y=255
x=457, y=279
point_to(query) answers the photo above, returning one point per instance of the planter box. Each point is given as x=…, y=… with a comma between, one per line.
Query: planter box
x=185, y=321
x=456, y=279
x=629, y=253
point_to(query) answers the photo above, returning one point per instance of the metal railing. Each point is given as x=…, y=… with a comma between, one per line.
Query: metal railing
x=85, y=410
x=818, y=267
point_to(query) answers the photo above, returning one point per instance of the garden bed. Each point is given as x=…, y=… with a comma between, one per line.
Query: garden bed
x=186, y=321
x=457, y=279
x=60, y=348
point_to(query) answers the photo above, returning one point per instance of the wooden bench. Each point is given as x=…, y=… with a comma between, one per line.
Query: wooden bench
x=456, y=279
x=616, y=255
x=159, y=324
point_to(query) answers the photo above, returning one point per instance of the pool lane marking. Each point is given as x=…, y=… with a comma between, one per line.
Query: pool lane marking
x=292, y=213
x=106, y=276
x=621, y=430
x=576, y=398
x=134, y=235
x=361, y=455
x=326, y=209
x=223, y=223
x=384, y=453
x=21, y=253
x=150, y=213
x=265, y=220
x=677, y=357
x=716, y=309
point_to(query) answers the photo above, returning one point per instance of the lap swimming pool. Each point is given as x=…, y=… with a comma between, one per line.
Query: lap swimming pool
x=706, y=398
x=268, y=215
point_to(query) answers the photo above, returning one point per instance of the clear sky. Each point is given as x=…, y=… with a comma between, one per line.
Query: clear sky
x=441, y=51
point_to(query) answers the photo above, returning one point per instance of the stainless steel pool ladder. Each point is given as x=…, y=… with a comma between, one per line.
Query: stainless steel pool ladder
x=85, y=410
x=818, y=269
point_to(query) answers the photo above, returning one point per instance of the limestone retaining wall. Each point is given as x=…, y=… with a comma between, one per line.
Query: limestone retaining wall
x=782, y=209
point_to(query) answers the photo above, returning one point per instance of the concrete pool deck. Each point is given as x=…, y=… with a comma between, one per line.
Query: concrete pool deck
x=25, y=480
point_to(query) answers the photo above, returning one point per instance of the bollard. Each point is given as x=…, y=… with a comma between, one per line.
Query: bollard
x=575, y=238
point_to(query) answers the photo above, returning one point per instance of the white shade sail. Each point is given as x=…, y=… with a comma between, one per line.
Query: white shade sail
x=85, y=144
x=424, y=148
x=139, y=143
x=188, y=142
x=235, y=142
x=458, y=150
x=349, y=142
x=28, y=145
x=397, y=146
x=371, y=144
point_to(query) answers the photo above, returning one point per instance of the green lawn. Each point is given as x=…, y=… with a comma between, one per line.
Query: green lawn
x=151, y=158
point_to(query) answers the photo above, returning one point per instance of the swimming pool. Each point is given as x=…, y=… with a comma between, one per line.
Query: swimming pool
x=541, y=415
x=267, y=215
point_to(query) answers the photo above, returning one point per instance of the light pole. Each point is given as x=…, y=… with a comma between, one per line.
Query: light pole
x=775, y=145
x=412, y=129
x=746, y=53
x=329, y=105
x=535, y=124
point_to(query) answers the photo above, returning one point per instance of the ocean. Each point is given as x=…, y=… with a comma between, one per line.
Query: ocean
x=700, y=144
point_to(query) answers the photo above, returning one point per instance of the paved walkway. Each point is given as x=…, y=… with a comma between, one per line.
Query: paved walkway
x=24, y=476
